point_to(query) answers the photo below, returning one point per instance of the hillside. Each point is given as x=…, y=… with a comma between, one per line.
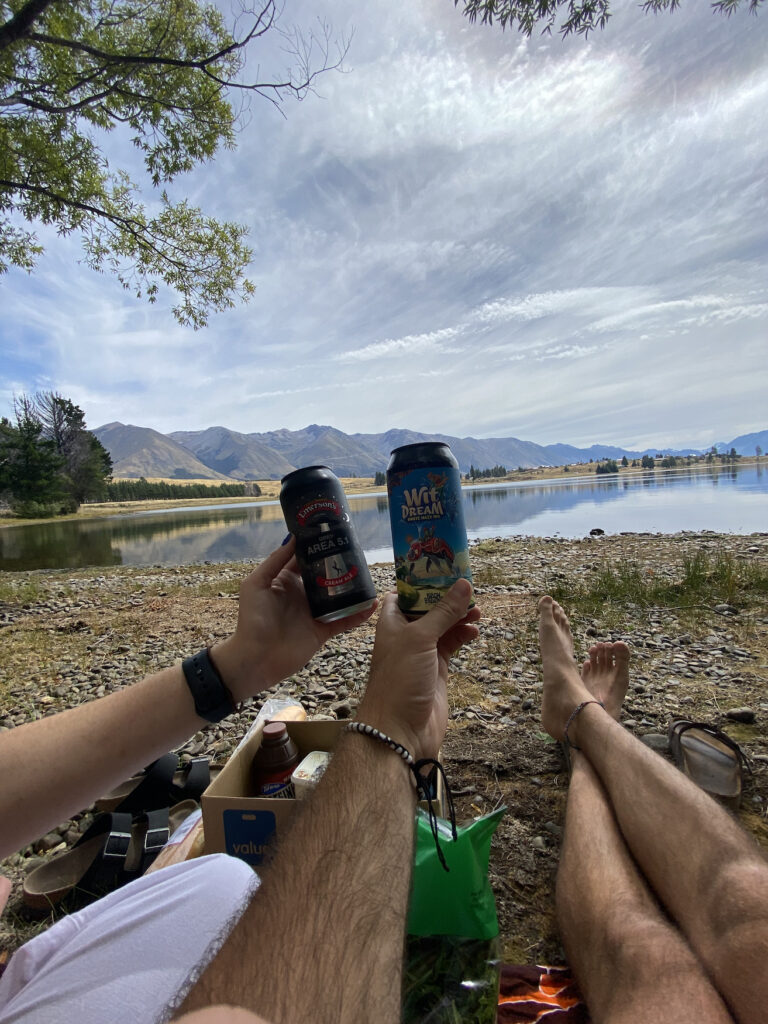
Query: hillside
x=241, y=456
x=220, y=453
x=141, y=451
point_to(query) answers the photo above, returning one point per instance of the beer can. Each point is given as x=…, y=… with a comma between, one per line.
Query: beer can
x=426, y=512
x=335, y=573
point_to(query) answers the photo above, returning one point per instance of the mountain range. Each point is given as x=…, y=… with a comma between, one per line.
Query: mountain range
x=218, y=453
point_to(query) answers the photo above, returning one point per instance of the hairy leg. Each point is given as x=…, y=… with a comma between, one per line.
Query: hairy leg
x=707, y=872
x=631, y=964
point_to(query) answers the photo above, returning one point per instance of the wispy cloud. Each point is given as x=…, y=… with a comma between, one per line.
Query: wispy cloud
x=412, y=344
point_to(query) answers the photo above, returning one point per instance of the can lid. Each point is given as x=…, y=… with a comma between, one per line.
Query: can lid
x=421, y=444
x=303, y=469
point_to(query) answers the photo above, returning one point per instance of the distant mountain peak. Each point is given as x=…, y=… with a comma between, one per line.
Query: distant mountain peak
x=220, y=453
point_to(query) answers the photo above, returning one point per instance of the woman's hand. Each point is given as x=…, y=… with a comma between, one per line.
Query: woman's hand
x=276, y=634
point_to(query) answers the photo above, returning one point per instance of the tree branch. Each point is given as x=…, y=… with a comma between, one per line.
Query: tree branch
x=19, y=25
x=132, y=226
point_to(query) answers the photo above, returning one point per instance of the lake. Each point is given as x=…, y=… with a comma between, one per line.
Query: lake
x=727, y=499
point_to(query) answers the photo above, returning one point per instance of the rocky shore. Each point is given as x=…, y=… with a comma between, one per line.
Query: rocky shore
x=74, y=635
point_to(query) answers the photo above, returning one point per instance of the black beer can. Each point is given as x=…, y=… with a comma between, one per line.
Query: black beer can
x=332, y=563
x=426, y=512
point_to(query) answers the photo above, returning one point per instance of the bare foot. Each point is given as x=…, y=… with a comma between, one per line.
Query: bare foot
x=606, y=675
x=563, y=686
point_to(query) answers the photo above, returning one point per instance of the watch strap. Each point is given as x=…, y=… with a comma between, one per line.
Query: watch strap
x=213, y=701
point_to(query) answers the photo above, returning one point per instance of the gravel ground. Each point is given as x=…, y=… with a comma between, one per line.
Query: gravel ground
x=69, y=637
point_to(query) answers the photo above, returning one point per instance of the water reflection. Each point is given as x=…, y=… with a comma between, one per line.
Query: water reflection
x=723, y=498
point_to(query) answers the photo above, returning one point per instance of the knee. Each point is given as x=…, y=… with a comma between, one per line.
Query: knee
x=737, y=912
x=641, y=943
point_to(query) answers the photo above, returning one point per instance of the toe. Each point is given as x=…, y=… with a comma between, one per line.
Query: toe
x=621, y=651
x=586, y=668
x=545, y=605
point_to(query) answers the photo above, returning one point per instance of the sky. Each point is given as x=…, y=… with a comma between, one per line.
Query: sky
x=466, y=232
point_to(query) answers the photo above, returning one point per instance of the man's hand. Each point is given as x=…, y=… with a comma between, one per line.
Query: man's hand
x=406, y=694
x=276, y=634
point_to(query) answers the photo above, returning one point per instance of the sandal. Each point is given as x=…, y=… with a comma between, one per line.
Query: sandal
x=710, y=758
x=112, y=852
x=145, y=792
x=159, y=785
x=193, y=779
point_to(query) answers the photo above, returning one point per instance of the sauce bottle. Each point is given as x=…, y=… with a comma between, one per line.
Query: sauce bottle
x=274, y=762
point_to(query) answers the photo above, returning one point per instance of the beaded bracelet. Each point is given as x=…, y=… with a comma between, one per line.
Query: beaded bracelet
x=376, y=734
x=426, y=782
x=573, y=714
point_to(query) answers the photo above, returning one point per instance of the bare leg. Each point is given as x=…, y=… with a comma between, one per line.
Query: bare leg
x=631, y=964
x=706, y=871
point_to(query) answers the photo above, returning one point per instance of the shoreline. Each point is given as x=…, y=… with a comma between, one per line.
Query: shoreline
x=365, y=488
x=73, y=635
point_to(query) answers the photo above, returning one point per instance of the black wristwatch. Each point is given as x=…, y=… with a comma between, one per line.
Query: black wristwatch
x=213, y=701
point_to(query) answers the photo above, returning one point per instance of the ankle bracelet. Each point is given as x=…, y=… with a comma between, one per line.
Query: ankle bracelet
x=573, y=714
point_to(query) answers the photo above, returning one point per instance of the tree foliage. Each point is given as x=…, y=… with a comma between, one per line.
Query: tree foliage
x=49, y=461
x=142, y=489
x=577, y=16
x=166, y=73
x=486, y=474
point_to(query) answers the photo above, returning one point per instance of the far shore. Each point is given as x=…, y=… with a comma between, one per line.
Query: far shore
x=354, y=487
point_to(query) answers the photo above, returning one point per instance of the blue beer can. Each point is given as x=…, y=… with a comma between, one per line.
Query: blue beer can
x=426, y=512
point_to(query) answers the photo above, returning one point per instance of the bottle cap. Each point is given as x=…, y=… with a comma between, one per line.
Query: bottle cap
x=274, y=731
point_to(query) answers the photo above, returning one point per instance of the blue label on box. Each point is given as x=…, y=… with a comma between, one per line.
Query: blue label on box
x=248, y=833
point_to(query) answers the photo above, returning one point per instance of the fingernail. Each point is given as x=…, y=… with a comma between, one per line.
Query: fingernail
x=287, y=538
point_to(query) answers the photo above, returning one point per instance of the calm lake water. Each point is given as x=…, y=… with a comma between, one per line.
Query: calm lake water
x=726, y=499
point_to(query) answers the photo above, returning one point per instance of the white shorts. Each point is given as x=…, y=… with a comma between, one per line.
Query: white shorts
x=132, y=957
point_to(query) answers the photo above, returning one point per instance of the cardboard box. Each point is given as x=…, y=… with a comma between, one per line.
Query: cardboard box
x=243, y=825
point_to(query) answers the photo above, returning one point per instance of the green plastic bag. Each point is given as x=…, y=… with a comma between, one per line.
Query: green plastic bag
x=452, y=969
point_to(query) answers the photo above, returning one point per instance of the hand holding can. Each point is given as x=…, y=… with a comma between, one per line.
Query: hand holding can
x=426, y=514
x=333, y=567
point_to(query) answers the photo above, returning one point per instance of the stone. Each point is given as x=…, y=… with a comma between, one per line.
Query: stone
x=656, y=741
x=539, y=843
x=745, y=715
x=342, y=709
x=726, y=609
x=48, y=842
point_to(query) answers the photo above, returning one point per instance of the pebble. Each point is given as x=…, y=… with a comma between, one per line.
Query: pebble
x=342, y=709
x=48, y=842
x=745, y=715
x=656, y=742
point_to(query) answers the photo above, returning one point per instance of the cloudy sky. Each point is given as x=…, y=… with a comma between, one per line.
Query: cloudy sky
x=467, y=232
